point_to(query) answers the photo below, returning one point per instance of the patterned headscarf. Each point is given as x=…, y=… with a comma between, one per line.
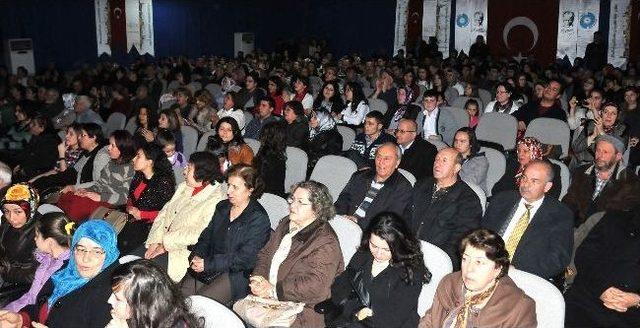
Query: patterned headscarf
x=325, y=123
x=68, y=279
x=23, y=195
x=403, y=106
x=535, y=151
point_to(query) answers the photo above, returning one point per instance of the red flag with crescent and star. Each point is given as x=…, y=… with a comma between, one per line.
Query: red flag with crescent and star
x=118, y=22
x=519, y=29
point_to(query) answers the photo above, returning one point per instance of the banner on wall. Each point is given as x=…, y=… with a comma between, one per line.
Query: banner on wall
x=471, y=21
x=619, y=32
x=124, y=24
x=436, y=15
x=577, y=20
x=102, y=27
x=400, y=38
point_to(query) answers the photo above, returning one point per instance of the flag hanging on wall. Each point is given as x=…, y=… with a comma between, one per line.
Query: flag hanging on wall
x=436, y=17
x=471, y=21
x=577, y=20
x=400, y=38
x=619, y=32
x=124, y=24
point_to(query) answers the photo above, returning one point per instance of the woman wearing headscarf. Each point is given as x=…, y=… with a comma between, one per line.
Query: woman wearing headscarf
x=405, y=109
x=77, y=295
x=528, y=149
x=17, y=264
x=324, y=138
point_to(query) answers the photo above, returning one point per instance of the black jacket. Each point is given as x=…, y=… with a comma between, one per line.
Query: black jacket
x=324, y=143
x=17, y=264
x=508, y=180
x=393, y=197
x=39, y=156
x=393, y=301
x=233, y=247
x=608, y=257
x=85, y=307
x=445, y=220
x=363, y=155
x=419, y=158
x=298, y=134
x=546, y=246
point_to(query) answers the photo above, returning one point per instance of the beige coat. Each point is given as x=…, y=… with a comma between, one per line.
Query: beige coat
x=180, y=223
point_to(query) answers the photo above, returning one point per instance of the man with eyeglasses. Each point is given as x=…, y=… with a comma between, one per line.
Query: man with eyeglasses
x=537, y=230
x=417, y=154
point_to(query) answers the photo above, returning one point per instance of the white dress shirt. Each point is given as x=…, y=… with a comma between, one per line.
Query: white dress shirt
x=429, y=127
x=520, y=212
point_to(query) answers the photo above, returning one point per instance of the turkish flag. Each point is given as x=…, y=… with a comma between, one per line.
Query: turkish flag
x=118, y=24
x=518, y=29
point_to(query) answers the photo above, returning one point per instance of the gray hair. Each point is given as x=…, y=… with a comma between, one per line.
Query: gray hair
x=320, y=198
x=5, y=175
x=396, y=147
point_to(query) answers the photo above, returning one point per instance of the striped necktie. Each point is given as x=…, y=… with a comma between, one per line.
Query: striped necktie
x=518, y=231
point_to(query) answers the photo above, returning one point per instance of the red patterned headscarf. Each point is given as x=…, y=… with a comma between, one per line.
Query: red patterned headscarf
x=535, y=152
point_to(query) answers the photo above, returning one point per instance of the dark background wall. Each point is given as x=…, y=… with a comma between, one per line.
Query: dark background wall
x=63, y=31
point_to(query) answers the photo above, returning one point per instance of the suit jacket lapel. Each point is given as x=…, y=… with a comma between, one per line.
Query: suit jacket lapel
x=509, y=217
x=535, y=221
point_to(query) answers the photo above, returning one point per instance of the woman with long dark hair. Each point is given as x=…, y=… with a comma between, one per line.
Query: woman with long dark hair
x=147, y=123
x=297, y=125
x=406, y=109
x=383, y=280
x=474, y=164
x=152, y=186
x=229, y=142
x=324, y=138
x=329, y=98
x=357, y=105
x=144, y=296
x=167, y=120
x=274, y=88
x=270, y=162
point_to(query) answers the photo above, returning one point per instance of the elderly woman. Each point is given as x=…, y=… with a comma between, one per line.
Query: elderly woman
x=474, y=164
x=481, y=294
x=324, y=138
x=77, y=295
x=527, y=150
x=607, y=121
x=302, y=257
x=183, y=218
x=297, y=124
x=228, y=143
x=226, y=251
x=17, y=264
x=405, y=109
x=112, y=187
x=503, y=102
x=381, y=285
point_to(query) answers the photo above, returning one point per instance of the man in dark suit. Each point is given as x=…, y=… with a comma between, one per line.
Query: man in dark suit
x=537, y=230
x=370, y=192
x=443, y=207
x=417, y=155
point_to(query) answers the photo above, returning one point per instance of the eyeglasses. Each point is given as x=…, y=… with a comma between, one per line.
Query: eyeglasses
x=404, y=131
x=94, y=252
x=298, y=202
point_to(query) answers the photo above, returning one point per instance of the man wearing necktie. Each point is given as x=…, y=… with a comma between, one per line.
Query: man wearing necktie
x=538, y=230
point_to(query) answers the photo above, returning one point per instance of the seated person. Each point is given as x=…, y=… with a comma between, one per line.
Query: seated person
x=264, y=115
x=53, y=232
x=17, y=135
x=405, y=110
x=17, y=233
x=146, y=124
x=77, y=295
x=541, y=222
x=225, y=253
x=481, y=294
x=474, y=164
x=228, y=139
x=363, y=149
x=547, y=106
x=417, y=154
x=329, y=99
x=112, y=187
x=229, y=109
x=83, y=111
x=168, y=120
x=371, y=191
x=167, y=141
x=504, y=102
x=528, y=149
x=143, y=294
x=433, y=122
x=200, y=116
x=357, y=105
x=389, y=267
x=271, y=160
x=69, y=151
x=151, y=188
x=443, y=207
x=605, y=292
x=324, y=138
x=303, y=256
x=297, y=125
x=607, y=121
x=40, y=153
x=604, y=184
x=183, y=218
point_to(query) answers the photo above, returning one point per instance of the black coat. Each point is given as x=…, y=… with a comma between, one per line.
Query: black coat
x=445, y=220
x=393, y=301
x=508, y=180
x=39, y=156
x=233, y=247
x=298, y=134
x=393, y=197
x=324, y=143
x=546, y=246
x=85, y=307
x=17, y=264
x=608, y=257
x=419, y=158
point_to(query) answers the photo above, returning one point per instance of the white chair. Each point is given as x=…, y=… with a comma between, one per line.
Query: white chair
x=378, y=105
x=214, y=314
x=194, y=87
x=460, y=115
x=248, y=116
x=116, y=121
x=349, y=235
x=214, y=89
x=253, y=144
x=485, y=96
x=565, y=177
x=439, y=264
x=408, y=175
x=550, y=131
x=48, y=208
x=128, y=258
x=326, y=172
x=178, y=174
x=296, y=167
x=549, y=301
x=480, y=193
x=202, y=143
x=497, y=166
x=276, y=207
x=500, y=128
x=189, y=140
x=348, y=136
x=450, y=94
x=132, y=125
x=438, y=143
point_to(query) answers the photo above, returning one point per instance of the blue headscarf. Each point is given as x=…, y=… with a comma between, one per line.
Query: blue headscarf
x=68, y=279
